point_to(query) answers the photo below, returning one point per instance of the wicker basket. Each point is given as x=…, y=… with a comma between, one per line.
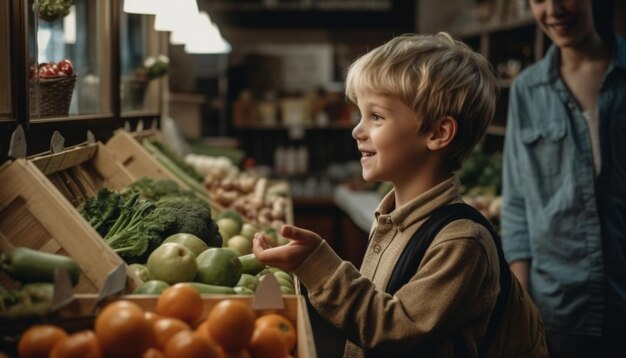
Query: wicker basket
x=55, y=96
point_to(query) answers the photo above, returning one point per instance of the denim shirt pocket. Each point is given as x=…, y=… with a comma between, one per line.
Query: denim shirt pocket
x=544, y=149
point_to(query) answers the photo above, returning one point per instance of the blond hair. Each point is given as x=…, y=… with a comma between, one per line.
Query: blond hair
x=436, y=76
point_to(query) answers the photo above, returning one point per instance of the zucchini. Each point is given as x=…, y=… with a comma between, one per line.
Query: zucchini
x=28, y=265
x=250, y=264
x=211, y=289
x=240, y=290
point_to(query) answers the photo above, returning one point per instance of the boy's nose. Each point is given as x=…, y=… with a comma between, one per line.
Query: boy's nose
x=357, y=131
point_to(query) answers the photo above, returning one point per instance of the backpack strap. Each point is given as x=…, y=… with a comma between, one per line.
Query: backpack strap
x=413, y=253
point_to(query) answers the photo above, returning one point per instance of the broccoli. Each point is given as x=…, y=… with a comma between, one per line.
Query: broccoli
x=193, y=216
x=102, y=210
x=136, y=221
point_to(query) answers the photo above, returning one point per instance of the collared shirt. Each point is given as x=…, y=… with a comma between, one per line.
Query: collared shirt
x=454, y=290
x=556, y=212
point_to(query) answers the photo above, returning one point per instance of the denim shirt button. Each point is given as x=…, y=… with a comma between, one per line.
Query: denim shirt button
x=377, y=248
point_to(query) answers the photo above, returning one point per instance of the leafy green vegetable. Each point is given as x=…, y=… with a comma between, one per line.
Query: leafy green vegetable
x=102, y=210
x=136, y=229
x=138, y=219
x=192, y=216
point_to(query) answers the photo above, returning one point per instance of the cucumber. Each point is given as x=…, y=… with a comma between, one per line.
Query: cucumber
x=211, y=289
x=250, y=264
x=240, y=290
x=28, y=265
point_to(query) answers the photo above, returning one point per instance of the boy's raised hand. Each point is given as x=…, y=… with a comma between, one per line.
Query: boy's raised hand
x=291, y=255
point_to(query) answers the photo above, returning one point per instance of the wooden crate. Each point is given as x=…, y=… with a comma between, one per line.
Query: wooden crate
x=129, y=152
x=79, y=315
x=37, y=210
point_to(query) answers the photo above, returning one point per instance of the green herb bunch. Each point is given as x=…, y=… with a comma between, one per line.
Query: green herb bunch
x=51, y=10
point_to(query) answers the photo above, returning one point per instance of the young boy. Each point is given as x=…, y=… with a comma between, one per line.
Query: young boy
x=425, y=102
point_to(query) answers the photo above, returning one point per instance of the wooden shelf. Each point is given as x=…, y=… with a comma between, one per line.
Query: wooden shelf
x=261, y=126
x=393, y=14
x=492, y=27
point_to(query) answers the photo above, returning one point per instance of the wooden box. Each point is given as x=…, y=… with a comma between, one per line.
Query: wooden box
x=37, y=210
x=80, y=315
x=129, y=152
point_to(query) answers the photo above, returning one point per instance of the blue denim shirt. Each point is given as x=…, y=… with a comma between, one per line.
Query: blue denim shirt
x=556, y=212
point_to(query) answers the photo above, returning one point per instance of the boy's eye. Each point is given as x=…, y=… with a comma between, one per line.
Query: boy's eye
x=377, y=117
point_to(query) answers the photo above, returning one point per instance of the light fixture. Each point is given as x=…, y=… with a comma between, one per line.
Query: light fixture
x=173, y=14
x=148, y=7
x=184, y=27
x=206, y=38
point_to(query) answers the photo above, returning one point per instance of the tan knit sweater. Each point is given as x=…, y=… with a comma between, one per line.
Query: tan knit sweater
x=454, y=290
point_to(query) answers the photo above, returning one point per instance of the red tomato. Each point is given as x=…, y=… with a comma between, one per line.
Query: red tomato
x=66, y=67
x=49, y=71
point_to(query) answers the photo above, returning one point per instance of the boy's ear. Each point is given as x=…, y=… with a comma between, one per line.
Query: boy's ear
x=442, y=133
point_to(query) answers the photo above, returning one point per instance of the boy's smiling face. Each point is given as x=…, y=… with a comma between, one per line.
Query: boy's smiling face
x=387, y=137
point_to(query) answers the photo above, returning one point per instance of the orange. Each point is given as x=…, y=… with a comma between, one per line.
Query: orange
x=268, y=342
x=180, y=301
x=281, y=323
x=39, y=340
x=165, y=328
x=123, y=330
x=153, y=353
x=203, y=331
x=242, y=353
x=187, y=344
x=231, y=323
x=83, y=344
x=151, y=316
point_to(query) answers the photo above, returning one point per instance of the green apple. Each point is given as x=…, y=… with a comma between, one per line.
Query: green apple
x=241, y=244
x=172, y=263
x=219, y=266
x=192, y=242
x=141, y=271
x=228, y=227
x=248, y=230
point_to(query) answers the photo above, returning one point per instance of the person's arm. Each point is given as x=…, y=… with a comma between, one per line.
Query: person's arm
x=446, y=293
x=515, y=236
x=287, y=257
x=520, y=269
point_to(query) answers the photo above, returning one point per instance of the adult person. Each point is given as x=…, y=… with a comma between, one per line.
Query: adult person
x=564, y=182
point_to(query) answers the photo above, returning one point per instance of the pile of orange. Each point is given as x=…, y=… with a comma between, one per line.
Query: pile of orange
x=123, y=329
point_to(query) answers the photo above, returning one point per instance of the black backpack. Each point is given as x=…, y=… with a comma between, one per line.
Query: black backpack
x=414, y=252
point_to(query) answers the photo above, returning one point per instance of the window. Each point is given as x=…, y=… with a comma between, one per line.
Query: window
x=61, y=31
x=139, y=92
